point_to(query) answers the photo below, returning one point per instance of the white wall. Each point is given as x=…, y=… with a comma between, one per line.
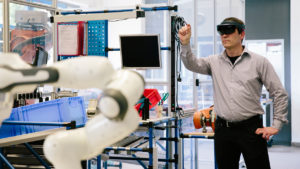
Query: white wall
x=295, y=69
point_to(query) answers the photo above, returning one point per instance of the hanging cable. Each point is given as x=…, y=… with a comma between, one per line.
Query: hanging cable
x=177, y=24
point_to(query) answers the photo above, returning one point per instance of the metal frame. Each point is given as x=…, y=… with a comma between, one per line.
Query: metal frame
x=150, y=124
x=119, y=14
x=6, y=46
x=196, y=137
x=97, y=16
x=5, y=25
x=35, y=5
x=31, y=137
x=94, y=16
x=35, y=154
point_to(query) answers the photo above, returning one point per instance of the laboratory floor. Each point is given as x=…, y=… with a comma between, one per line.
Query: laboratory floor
x=281, y=157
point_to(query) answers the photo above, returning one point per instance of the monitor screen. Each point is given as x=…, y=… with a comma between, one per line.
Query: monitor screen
x=140, y=51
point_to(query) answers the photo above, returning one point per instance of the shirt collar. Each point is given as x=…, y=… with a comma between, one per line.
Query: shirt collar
x=244, y=53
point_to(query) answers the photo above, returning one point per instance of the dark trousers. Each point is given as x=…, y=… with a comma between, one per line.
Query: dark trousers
x=232, y=140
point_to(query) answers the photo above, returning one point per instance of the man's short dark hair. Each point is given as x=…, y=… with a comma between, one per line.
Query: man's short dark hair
x=236, y=20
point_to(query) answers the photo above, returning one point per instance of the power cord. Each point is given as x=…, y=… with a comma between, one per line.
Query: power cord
x=178, y=23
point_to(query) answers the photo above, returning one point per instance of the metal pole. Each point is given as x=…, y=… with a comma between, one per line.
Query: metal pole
x=37, y=156
x=167, y=146
x=216, y=165
x=151, y=145
x=196, y=153
x=35, y=5
x=1, y=164
x=176, y=145
x=54, y=30
x=89, y=164
x=182, y=153
x=140, y=162
x=215, y=31
x=54, y=4
x=6, y=161
x=105, y=163
x=99, y=162
x=5, y=25
x=195, y=95
x=191, y=153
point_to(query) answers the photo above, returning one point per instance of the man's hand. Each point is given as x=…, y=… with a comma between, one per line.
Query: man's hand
x=266, y=132
x=185, y=34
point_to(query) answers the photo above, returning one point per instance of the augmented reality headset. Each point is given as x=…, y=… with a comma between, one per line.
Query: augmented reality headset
x=228, y=27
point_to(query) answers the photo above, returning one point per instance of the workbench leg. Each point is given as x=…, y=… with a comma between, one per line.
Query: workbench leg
x=37, y=156
x=90, y=163
x=167, y=146
x=140, y=162
x=182, y=153
x=105, y=164
x=196, y=153
x=99, y=162
x=177, y=144
x=6, y=161
x=1, y=163
x=216, y=164
x=192, y=153
x=150, y=146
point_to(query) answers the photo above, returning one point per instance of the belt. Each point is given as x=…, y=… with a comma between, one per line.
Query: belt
x=252, y=120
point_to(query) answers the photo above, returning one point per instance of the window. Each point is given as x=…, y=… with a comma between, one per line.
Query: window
x=67, y=4
x=30, y=32
x=43, y=2
x=186, y=91
x=155, y=23
x=205, y=39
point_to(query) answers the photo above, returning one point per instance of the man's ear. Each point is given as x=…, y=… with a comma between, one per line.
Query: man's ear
x=242, y=35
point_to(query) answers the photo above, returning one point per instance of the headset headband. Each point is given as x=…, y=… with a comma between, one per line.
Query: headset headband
x=229, y=22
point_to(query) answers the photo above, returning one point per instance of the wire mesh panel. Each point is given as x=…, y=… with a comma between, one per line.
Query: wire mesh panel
x=97, y=38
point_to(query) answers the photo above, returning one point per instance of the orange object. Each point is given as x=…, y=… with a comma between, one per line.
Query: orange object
x=205, y=117
x=22, y=41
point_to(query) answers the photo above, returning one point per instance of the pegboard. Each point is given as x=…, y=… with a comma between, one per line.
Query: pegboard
x=97, y=38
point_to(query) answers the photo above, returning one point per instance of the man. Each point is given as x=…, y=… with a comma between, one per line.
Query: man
x=238, y=76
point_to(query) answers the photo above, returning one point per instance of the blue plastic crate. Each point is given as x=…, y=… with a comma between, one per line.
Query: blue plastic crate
x=65, y=57
x=59, y=110
x=7, y=130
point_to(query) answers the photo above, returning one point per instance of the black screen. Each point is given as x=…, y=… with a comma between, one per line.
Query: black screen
x=140, y=51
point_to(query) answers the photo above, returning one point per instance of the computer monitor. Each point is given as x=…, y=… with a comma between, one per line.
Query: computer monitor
x=140, y=51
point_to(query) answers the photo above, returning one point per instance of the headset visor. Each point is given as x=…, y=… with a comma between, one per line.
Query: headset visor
x=228, y=27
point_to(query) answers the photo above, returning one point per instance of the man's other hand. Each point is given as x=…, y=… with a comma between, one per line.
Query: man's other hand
x=266, y=132
x=185, y=34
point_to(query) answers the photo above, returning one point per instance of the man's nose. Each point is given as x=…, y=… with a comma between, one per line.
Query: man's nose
x=223, y=35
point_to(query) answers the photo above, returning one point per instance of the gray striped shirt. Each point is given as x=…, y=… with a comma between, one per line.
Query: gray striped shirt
x=237, y=87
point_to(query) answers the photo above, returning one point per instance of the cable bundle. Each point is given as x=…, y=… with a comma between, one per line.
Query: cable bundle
x=178, y=23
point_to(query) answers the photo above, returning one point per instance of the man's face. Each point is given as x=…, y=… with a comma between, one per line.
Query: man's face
x=232, y=40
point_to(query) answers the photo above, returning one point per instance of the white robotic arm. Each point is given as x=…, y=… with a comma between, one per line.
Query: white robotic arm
x=117, y=119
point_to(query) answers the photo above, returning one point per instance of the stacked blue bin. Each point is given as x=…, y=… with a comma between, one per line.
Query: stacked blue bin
x=10, y=130
x=60, y=110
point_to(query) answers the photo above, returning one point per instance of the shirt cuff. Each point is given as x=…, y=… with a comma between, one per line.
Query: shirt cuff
x=185, y=48
x=277, y=124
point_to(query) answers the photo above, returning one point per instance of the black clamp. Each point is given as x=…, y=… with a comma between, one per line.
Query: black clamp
x=71, y=125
